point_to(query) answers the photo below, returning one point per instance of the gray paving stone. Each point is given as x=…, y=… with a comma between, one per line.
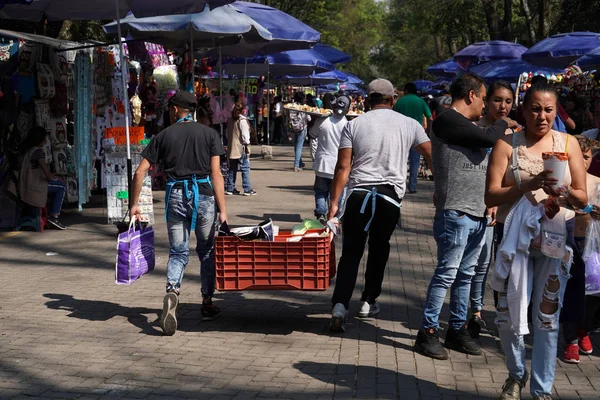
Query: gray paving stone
x=77, y=335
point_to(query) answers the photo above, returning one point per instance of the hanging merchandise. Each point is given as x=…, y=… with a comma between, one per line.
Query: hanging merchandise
x=45, y=81
x=117, y=194
x=42, y=112
x=60, y=66
x=28, y=56
x=136, y=109
x=60, y=161
x=84, y=157
x=59, y=106
x=58, y=131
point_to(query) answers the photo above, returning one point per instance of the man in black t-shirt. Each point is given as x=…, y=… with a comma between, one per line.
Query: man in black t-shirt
x=190, y=153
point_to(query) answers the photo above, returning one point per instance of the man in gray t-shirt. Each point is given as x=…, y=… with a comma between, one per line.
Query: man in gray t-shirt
x=372, y=158
x=460, y=151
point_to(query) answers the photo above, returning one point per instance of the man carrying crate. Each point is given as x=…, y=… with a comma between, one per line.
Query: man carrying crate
x=190, y=153
x=372, y=158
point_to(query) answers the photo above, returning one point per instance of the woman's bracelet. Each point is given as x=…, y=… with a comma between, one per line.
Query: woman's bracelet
x=588, y=209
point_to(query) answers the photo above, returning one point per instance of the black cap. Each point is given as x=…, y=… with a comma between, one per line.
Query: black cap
x=185, y=100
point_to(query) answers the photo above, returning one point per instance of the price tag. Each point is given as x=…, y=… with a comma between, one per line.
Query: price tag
x=123, y=194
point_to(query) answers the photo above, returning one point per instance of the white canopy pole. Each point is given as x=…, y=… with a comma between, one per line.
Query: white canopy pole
x=245, y=77
x=125, y=103
x=268, y=106
x=192, y=58
x=221, y=83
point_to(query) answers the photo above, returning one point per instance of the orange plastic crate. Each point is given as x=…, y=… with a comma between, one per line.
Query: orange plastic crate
x=280, y=265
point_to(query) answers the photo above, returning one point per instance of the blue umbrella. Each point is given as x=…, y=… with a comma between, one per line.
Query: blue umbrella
x=323, y=78
x=445, y=69
x=423, y=86
x=349, y=88
x=332, y=54
x=293, y=62
x=510, y=70
x=591, y=60
x=561, y=50
x=5, y=2
x=103, y=9
x=221, y=26
x=478, y=53
x=353, y=79
x=288, y=32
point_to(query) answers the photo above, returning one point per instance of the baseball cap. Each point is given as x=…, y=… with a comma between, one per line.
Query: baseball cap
x=382, y=87
x=185, y=100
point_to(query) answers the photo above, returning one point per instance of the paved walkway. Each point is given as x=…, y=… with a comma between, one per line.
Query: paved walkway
x=67, y=331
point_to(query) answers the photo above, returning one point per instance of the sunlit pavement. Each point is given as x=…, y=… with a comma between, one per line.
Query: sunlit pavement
x=67, y=331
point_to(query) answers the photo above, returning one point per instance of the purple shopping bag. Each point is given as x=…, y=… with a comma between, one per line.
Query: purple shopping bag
x=135, y=253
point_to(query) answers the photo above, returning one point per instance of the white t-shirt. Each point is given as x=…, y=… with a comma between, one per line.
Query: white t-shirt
x=381, y=141
x=593, y=135
x=328, y=131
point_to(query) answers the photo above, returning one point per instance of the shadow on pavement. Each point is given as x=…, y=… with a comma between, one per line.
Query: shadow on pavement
x=358, y=381
x=95, y=310
x=308, y=189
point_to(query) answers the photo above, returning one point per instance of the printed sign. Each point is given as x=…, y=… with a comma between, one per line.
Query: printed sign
x=118, y=134
x=251, y=85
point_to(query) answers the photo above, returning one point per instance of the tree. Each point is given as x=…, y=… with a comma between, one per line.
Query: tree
x=499, y=28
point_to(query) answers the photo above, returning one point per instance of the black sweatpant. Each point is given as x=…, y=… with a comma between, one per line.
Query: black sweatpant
x=355, y=237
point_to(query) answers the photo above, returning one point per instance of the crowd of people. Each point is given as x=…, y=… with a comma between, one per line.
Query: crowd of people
x=493, y=195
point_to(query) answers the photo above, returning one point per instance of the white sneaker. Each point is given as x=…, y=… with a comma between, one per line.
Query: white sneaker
x=338, y=318
x=368, y=310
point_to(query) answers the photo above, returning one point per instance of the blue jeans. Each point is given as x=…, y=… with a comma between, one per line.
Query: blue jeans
x=243, y=164
x=414, y=159
x=179, y=219
x=299, y=138
x=545, y=326
x=459, y=238
x=481, y=271
x=57, y=189
x=322, y=189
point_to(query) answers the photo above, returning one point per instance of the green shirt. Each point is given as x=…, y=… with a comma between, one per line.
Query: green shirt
x=413, y=107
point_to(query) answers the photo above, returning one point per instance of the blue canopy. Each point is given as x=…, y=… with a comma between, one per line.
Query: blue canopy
x=591, y=60
x=332, y=54
x=349, y=88
x=323, y=78
x=423, y=86
x=561, y=50
x=5, y=2
x=59, y=10
x=444, y=69
x=288, y=33
x=510, y=70
x=487, y=51
x=293, y=62
x=222, y=26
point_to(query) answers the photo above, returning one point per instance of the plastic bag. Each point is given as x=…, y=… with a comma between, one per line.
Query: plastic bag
x=135, y=253
x=307, y=225
x=591, y=252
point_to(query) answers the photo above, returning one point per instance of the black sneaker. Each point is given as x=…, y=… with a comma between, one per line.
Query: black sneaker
x=428, y=344
x=56, y=223
x=168, y=319
x=474, y=326
x=461, y=341
x=209, y=312
x=251, y=192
